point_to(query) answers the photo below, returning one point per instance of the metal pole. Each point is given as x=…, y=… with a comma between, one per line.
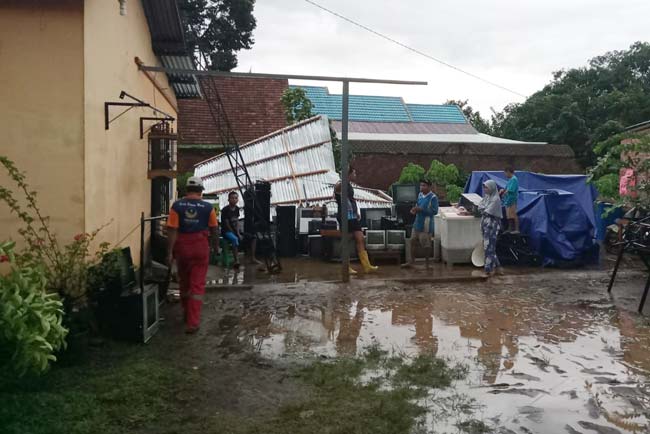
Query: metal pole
x=345, y=253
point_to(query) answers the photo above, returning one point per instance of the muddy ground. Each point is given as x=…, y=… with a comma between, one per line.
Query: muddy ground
x=546, y=351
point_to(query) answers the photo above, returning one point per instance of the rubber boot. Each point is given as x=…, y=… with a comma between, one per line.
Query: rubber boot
x=352, y=271
x=365, y=262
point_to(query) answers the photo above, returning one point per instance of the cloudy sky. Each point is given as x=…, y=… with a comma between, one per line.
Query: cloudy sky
x=515, y=43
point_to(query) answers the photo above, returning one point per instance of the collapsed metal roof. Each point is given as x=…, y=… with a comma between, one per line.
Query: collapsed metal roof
x=297, y=161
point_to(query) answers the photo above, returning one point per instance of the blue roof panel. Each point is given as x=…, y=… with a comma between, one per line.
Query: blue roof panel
x=436, y=113
x=380, y=108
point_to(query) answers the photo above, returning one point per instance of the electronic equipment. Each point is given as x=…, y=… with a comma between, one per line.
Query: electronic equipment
x=389, y=223
x=370, y=214
x=395, y=239
x=286, y=223
x=405, y=193
x=127, y=310
x=305, y=215
x=402, y=212
x=375, y=240
x=374, y=225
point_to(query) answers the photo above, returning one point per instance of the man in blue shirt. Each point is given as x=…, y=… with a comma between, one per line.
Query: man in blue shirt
x=509, y=198
x=424, y=210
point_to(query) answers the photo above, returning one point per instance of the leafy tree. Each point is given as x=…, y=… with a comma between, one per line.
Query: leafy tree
x=217, y=29
x=481, y=124
x=583, y=106
x=298, y=107
x=623, y=150
x=411, y=174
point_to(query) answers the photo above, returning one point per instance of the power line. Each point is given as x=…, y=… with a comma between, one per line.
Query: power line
x=394, y=41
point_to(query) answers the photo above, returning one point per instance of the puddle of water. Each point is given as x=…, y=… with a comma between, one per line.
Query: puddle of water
x=533, y=366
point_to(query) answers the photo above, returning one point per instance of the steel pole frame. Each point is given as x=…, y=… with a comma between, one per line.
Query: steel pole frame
x=345, y=147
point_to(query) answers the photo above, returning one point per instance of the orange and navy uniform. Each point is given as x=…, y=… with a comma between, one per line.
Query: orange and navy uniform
x=191, y=214
x=192, y=217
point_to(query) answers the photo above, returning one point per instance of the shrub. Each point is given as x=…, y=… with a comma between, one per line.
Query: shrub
x=31, y=329
x=441, y=174
x=411, y=174
x=453, y=193
x=607, y=186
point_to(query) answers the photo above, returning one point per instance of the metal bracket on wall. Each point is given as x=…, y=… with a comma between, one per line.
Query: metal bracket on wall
x=136, y=103
x=152, y=118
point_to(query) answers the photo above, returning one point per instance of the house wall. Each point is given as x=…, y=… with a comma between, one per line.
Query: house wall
x=41, y=108
x=391, y=164
x=117, y=188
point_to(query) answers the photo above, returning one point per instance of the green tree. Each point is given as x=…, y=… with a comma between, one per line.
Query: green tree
x=217, y=29
x=583, y=106
x=623, y=150
x=481, y=124
x=298, y=107
x=441, y=174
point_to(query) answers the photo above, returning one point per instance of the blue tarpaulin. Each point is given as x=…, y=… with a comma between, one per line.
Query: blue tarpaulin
x=555, y=211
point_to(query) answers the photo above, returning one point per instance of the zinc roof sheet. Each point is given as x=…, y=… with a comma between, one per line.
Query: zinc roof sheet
x=297, y=160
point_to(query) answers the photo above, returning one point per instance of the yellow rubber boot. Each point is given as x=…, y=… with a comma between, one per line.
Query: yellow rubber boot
x=365, y=262
x=352, y=271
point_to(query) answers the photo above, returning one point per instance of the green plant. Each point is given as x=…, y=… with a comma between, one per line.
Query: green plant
x=453, y=193
x=65, y=266
x=31, y=329
x=624, y=151
x=297, y=106
x=181, y=183
x=411, y=174
x=607, y=186
x=441, y=174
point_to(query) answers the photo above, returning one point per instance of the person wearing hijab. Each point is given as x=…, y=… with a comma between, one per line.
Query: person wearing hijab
x=491, y=215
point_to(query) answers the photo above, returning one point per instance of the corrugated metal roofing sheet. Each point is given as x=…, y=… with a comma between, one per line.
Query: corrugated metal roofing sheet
x=185, y=86
x=451, y=114
x=297, y=160
x=362, y=107
x=381, y=108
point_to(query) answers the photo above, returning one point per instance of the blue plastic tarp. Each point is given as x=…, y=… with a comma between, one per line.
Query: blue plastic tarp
x=555, y=211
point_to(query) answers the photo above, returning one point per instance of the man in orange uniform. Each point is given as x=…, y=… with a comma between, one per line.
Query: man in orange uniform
x=191, y=222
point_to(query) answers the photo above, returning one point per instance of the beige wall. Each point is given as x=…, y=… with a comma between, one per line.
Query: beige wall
x=41, y=107
x=116, y=160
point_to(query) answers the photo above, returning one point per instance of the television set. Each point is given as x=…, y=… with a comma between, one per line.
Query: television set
x=405, y=193
x=370, y=214
x=375, y=240
x=150, y=312
x=395, y=240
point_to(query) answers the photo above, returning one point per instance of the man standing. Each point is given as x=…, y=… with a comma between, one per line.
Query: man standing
x=230, y=225
x=509, y=196
x=424, y=210
x=191, y=221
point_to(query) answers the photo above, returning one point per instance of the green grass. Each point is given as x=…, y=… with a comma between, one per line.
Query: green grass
x=130, y=390
x=117, y=397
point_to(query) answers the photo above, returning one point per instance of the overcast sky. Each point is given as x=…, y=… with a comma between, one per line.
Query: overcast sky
x=516, y=43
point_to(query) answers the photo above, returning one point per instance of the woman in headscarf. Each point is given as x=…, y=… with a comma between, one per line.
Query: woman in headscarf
x=491, y=215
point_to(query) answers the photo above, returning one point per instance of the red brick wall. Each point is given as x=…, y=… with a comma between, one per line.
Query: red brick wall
x=252, y=106
x=391, y=165
x=187, y=158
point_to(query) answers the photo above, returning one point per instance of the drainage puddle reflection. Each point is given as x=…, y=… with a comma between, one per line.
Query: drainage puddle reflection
x=534, y=366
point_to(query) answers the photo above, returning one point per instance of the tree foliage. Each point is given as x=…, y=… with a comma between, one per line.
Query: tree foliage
x=442, y=174
x=217, y=29
x=624, y=151
x=582, y=106
x=481, y=124
x=297, y=106
x=411, y=174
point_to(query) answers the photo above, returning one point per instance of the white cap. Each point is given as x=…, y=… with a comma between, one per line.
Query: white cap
x=194, y=181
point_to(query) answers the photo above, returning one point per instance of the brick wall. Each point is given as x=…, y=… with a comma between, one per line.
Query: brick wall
x=252, y=106
x=391, y=165
x=187, y=158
